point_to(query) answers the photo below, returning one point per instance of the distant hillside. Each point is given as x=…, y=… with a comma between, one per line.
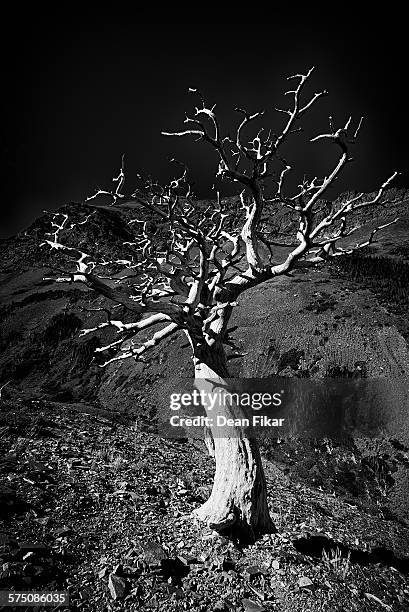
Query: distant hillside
x=41, y=348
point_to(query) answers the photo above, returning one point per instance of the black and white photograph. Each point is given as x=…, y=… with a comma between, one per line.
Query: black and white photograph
x=204, y=300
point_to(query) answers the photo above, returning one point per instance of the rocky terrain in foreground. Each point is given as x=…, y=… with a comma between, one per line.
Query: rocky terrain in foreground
x=102, y=509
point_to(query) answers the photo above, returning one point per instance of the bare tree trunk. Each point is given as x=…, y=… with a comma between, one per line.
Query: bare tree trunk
x=237, y=505
x=209, y=441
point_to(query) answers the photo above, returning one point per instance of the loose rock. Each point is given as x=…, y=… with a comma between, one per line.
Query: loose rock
x=117, y=586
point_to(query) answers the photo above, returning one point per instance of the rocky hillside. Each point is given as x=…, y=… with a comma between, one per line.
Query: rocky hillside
x=102, y=510
x=346, y=319
x=43, y=355
x=80, y=440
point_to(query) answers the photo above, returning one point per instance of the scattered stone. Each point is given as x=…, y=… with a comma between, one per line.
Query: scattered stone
x=203, y=492
x=252, y=606
x=103, y=572
x=154, y=553
x=275, y=564
x=117, y=586
x=186, y=560
x=132, y=552
x=61, y=532
x=134, y=496
x=226, y=576
x=252, y=571
x=182, y=491
x=305, y=583
x=197, y=568
x=118, y=569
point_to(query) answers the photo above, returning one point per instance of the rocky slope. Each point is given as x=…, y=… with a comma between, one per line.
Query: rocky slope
x=102, y=510
x=347, y=320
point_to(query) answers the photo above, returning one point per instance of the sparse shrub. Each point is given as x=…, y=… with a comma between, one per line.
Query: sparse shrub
x=336, y=562
x=385, y=276
x=336, y=371
x=290, y=358
x=323, y=303
x=402, y=251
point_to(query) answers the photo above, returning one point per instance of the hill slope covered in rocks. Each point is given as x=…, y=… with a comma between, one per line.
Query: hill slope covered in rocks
x=70, y=446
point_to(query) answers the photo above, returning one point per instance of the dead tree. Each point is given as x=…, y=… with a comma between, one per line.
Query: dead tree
x=191, y=282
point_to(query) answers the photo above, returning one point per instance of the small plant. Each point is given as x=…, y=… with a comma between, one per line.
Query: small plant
x=336, y=562
x=381, y=472
x=110, y=456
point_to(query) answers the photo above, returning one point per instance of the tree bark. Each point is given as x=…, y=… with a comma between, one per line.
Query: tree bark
x=237, y=506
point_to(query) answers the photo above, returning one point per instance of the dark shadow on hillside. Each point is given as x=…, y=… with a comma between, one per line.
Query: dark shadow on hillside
x=316, y=546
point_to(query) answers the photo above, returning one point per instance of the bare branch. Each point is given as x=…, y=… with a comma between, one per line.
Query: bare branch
x=122, y=327
x=186, y=262
x=136, y=353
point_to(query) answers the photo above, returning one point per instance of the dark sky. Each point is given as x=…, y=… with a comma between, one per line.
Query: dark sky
x=88, y=90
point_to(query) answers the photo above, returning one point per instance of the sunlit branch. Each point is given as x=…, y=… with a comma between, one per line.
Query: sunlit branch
x=187, y=262
x=136, y=353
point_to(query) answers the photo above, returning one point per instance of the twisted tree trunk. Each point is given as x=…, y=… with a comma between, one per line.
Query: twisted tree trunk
x=237, y=505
